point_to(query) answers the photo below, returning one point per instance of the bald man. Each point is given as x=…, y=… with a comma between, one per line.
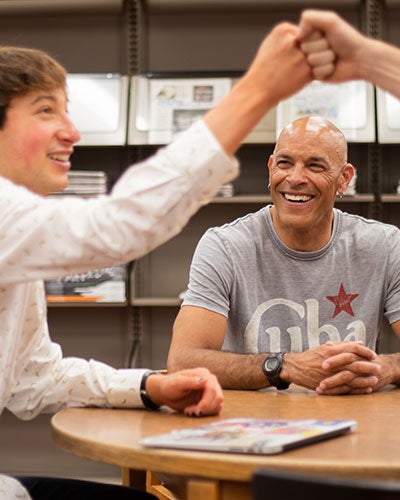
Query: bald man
x=296, y=292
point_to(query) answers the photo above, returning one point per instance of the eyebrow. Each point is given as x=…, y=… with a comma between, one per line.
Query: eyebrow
x=319, y=159
x=43, y=98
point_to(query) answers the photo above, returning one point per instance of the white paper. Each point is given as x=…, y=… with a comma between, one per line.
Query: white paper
x=348, y=105
x=174, y=104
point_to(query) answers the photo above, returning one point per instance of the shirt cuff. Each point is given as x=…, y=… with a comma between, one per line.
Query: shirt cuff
x=124, y=390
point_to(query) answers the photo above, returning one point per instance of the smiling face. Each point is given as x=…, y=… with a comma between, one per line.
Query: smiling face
x=37, y=140
x=308, y=167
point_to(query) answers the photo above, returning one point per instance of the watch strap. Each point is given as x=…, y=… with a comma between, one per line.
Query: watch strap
x=148, y=403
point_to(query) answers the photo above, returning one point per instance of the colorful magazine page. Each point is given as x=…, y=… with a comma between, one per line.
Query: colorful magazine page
x=247, y=435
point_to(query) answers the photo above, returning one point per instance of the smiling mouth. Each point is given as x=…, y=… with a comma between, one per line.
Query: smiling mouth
x=59, y=157
x=298, y=198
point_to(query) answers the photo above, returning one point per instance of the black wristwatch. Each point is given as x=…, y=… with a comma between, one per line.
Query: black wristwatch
x=272, y=367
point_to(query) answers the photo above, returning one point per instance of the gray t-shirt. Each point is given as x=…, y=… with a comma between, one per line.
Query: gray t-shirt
x=279, y=299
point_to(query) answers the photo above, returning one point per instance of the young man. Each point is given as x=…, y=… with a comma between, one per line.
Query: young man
x=295, y=293
x=42, y=238
x=349, y=54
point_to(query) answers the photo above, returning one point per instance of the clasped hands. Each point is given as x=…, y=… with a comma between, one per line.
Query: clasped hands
x=336, y=368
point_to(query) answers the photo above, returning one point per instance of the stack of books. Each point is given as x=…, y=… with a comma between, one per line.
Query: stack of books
x=85, y=183
x=96, y=285
x=226, y=191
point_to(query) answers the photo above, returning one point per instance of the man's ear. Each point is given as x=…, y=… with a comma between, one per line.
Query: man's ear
x=346, y=175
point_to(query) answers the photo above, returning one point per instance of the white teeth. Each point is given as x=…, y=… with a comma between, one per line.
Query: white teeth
x=297, y=197
x=60, y=157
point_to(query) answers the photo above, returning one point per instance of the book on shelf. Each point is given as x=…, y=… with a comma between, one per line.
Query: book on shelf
x=98, y=285
x=226, y=191
x=251, y=435
x=167, y=106
x=86, y=183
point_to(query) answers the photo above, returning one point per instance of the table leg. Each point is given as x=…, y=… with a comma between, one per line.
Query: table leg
x=199, y=490
x=134, y=477
x=156, y=487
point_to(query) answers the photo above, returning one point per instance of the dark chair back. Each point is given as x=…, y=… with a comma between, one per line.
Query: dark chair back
x=270, y=484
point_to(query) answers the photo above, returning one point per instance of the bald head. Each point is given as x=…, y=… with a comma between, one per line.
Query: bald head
x=318, y=131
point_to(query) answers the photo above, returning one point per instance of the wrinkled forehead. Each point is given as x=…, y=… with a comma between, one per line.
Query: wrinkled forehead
x=314, y=135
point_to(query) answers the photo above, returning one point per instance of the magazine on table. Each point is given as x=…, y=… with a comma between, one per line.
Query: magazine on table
x=251, y=435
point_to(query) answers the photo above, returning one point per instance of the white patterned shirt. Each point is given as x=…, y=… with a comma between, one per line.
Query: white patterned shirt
x=43, y=238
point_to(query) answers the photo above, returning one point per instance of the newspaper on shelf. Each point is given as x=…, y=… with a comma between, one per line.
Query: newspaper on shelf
x=175, y=103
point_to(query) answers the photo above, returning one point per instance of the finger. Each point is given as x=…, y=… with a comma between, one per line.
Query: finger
x=336, y=391
x=365, y=368
x=338, y=361
x=344, y=390
x=363, y=382
x=210, y=399
x=314, y=36
x=321, y=58
x=352, y=362
x=348, y=379
x=311, y=46
x=209, y=404
x=311, y=20
x=354, y=347
x=359, y=342
x=338, y=379
x=366, y=390
x=306, y=30
x=323, y=72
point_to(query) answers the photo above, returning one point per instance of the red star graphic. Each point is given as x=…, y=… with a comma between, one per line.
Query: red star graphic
x=342, y=301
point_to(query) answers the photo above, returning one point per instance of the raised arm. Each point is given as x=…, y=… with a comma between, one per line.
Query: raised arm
x=278, y=70
x=351, y=55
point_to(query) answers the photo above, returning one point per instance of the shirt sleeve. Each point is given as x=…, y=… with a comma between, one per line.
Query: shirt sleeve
x=211, y=275
x=11, y=489
x=392, y=301
x=44, y=238
x=46, y=382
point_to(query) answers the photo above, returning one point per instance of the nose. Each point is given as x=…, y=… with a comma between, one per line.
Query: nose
x=68, y=131
x=297, y=174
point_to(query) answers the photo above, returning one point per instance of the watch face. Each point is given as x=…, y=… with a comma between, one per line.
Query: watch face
x=271, y=364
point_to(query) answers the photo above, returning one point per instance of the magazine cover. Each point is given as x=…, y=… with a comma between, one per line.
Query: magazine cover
x=246, y=435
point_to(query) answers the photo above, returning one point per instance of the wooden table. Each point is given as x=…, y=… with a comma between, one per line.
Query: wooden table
x=112, y=435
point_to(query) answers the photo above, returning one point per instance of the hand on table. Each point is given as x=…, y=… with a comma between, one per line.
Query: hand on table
x=334, y=368
x=358, y=377
x=195, y=391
